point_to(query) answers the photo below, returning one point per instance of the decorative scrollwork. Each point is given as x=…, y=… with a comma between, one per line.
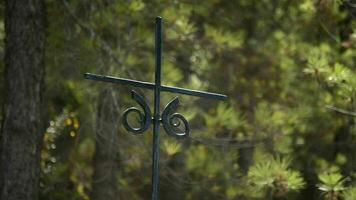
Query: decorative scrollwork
x=144, y=118
x=172, y=121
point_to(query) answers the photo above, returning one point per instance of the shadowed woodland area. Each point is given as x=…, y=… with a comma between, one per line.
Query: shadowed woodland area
x=286, y=132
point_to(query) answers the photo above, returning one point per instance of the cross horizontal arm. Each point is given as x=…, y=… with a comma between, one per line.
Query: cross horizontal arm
x=151, y=86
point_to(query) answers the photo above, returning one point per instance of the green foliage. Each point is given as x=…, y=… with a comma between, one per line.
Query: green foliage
x=229, y=118
x=231, y=40
x=273, y=175
x=332, y=185
x=349, y=193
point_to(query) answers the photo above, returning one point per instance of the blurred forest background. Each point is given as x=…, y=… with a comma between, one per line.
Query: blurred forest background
x=287, y=130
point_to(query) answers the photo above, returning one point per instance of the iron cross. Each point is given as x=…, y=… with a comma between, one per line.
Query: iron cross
x=170, y=121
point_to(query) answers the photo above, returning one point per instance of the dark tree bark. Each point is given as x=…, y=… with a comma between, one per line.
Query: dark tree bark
x=105, y=161
x=22, y=129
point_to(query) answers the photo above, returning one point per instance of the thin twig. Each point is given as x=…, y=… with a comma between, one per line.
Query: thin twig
x=342, y=111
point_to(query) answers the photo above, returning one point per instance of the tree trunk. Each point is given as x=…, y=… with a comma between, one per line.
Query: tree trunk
x=22, y=129
x=105, y=161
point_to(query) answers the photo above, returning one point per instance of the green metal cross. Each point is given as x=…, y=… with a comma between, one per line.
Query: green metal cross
x=170, y=121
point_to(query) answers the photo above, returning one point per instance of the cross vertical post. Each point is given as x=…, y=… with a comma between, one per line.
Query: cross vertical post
x=156, y=120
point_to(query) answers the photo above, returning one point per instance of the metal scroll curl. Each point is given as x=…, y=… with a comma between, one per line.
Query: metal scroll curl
x=144, y=118
x=172, y=121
